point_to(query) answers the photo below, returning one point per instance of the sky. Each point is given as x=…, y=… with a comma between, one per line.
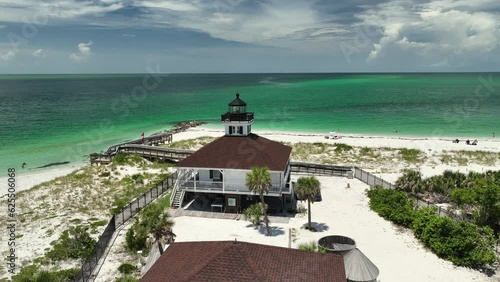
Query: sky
x=249, y=36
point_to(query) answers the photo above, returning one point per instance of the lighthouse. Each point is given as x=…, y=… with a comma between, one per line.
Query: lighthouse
x=237, y=121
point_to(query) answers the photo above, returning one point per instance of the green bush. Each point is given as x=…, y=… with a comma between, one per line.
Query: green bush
x=393, y=205
x=136, y=238
x=126, y=268
x=410, y=155
x=311, y=246
x=126, y=278
x=127, y=159
x=341, y=147
x=138, y=178
x=462, y=243
x=32, y=273
x=149, y=220
x=74, y=243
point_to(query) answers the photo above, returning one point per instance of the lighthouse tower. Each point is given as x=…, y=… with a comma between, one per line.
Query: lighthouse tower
x=237, y=121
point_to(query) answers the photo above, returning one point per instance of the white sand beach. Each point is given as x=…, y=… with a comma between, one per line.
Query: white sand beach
x=399, y=256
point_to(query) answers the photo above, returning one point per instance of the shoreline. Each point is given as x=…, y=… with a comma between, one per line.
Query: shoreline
x=27, y=179
x=437, y=144
x=35, y=176
x=389, y=134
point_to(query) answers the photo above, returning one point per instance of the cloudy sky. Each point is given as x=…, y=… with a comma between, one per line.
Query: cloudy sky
x=127, y=36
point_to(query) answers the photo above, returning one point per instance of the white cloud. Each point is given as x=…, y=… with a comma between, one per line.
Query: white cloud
x=8, y=56
x=84, y=52
x=166, y=4
x=273, y=23
x=39, y=53
x=437, y=34
x=32, y=10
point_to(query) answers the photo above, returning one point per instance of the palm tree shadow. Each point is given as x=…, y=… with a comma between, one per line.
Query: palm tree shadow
x=274, y=230
x=320, y=227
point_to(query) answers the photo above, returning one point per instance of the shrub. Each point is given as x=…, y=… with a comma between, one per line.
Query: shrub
x=462, y=243
x=33, y=273
x=126, y=278
x=74, y=242
x=138, y=178
x=149, y=218
x=127, y=159
x=126, y=268
x=393, y=205
x=410, y=155
x=311, y=246
x=341, y=147
x=136, y=238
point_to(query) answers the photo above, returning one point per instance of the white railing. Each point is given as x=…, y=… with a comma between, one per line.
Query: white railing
x=196, y=185
x=202, y=185
x=179, y=182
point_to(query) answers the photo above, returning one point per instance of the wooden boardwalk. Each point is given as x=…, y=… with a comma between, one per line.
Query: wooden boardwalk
x=204, y=214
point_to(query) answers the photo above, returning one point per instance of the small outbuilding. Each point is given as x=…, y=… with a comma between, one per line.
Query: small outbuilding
x=358, y=268
x=242, y=261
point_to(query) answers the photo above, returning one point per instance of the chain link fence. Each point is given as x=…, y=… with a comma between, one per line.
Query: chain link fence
x=116, y=221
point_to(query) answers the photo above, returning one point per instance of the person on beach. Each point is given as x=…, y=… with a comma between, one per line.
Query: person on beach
x=23, y=165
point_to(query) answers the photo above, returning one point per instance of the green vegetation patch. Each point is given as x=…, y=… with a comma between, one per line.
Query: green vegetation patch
x=128, y=159
x=190, y=144
x=33, y=273
x=152, y=219
x=127, y=268
x=74, y=243
x=462, y=243
x=341, y=147
x=410, y=155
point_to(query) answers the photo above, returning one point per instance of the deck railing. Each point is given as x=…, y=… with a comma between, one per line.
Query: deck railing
x=227, y=117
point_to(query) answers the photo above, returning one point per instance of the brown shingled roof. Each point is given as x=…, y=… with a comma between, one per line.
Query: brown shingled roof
x=240, y=152
x=241, y=261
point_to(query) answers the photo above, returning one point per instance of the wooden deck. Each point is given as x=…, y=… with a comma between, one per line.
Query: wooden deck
x=205, y=214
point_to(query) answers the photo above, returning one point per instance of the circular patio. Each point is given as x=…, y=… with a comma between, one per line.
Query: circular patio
x=337, y=243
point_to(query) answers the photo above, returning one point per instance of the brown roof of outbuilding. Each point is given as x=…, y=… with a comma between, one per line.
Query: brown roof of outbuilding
x=241, y=261
x=240, y=152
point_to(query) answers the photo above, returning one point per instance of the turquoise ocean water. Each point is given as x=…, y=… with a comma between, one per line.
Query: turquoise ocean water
x=57, y=118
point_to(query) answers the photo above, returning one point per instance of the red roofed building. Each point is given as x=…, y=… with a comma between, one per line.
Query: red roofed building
x=218, y=170
x=241, y=261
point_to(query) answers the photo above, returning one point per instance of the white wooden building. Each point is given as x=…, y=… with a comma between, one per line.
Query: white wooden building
x=219, y=169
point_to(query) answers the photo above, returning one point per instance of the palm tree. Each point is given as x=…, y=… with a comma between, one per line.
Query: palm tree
x=163, y=229
x=308, y=188
x=259, y=182
x=410, y=181
x=254, y=213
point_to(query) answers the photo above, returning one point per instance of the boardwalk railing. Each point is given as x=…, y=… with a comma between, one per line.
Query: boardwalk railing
x=142, y=150
x=320, y=169
x=118, y=220
x=371, y=179
x=152, y=140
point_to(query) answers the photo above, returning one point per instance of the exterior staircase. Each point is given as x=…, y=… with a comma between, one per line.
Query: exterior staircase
x=177, y=199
